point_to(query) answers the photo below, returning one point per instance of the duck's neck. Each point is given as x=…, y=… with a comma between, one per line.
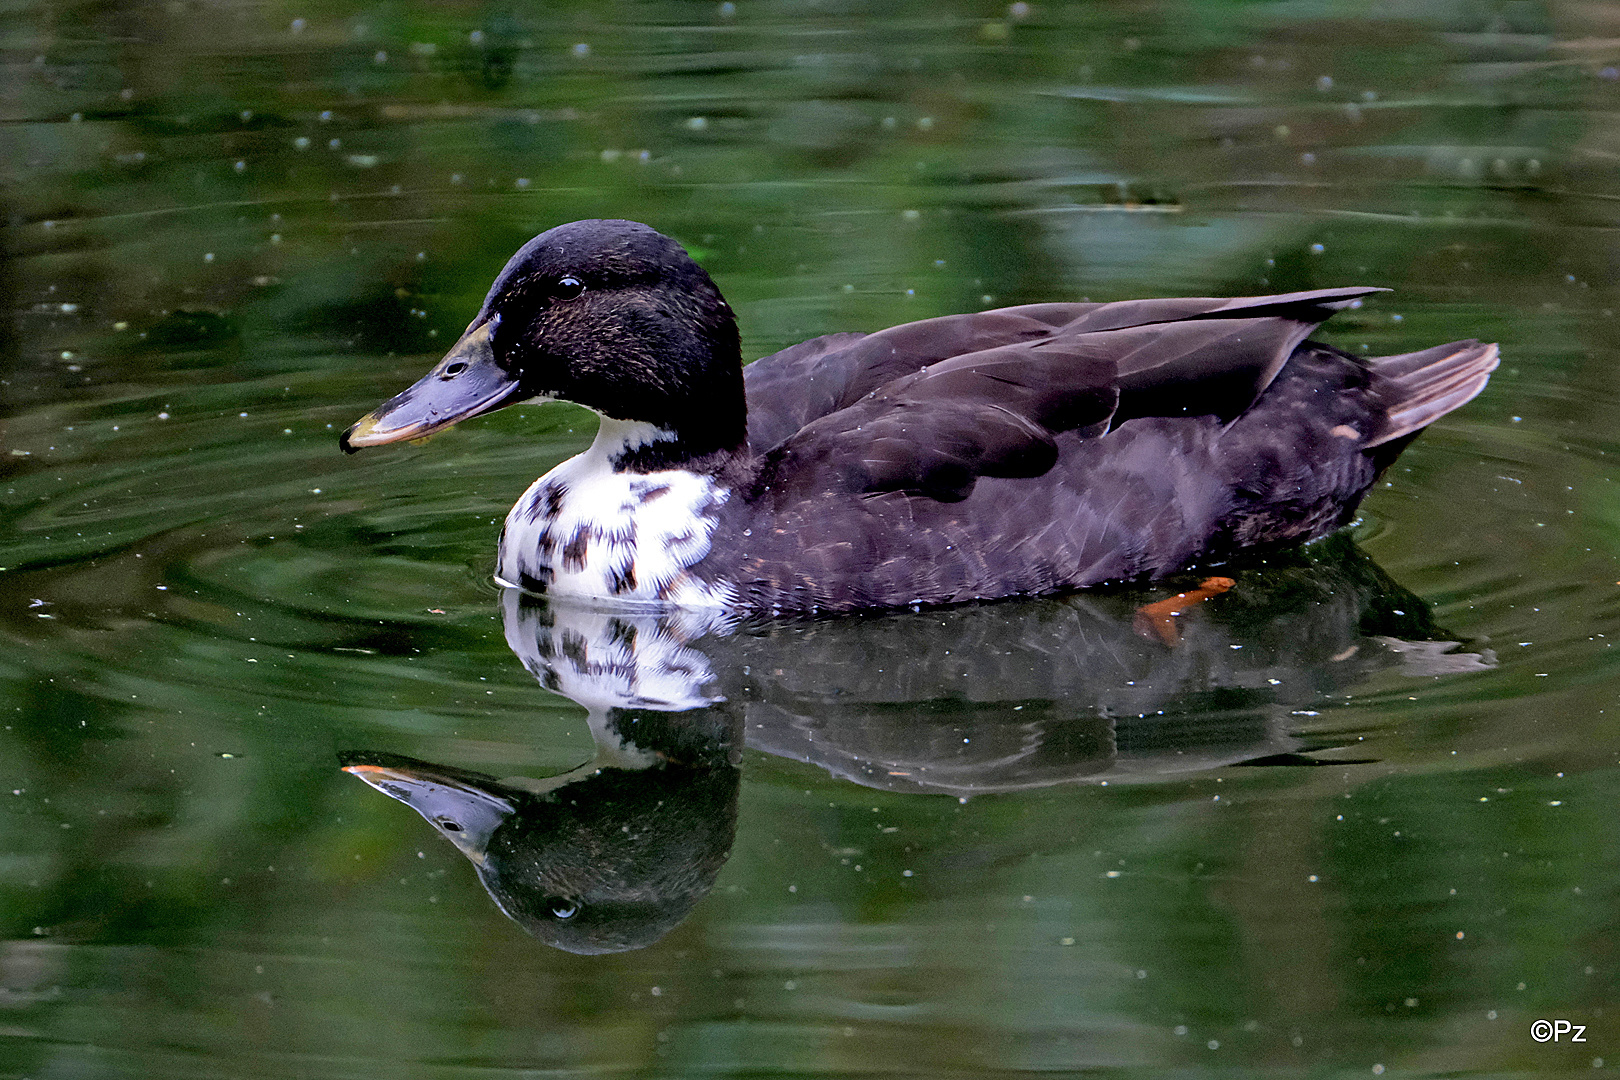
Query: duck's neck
x=668, y=404
x=639, y=446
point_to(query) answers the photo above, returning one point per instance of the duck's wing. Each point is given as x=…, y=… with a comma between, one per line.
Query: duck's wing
x=789, y=389
x=995, y=411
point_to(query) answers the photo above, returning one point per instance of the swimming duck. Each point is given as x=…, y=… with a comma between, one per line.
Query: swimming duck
x=1010, y=452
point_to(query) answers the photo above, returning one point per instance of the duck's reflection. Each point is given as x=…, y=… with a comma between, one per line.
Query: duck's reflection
x=607, y=857
x=998, y=697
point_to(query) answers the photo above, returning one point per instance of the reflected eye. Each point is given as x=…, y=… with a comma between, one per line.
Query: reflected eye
x=567, y=288
x=448, y=825
x=561, y=908
x=451, y=370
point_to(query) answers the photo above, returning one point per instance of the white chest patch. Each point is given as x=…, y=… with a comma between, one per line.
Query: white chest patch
x=585, y=530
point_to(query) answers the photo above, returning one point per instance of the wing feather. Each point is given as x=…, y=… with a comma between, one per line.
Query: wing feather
x=932, y=406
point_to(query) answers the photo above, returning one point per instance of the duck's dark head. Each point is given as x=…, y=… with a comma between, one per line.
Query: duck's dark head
x=612, y=315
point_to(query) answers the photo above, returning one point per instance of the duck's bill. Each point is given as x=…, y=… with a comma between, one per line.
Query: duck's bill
x=464, y=806
x=466, y=383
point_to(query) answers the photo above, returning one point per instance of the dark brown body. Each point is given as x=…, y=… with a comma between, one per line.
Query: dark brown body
x=1149, y=496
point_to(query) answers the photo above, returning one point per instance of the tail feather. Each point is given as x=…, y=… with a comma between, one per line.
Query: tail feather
x=1418, y=388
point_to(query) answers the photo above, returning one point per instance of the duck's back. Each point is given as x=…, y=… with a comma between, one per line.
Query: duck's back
x=1036, y=449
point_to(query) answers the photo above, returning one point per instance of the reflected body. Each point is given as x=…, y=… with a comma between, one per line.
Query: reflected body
x=970, y=701
x=1013, y=452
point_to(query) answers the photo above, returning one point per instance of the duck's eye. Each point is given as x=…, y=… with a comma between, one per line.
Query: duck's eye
x=448, y=825
x=455, y=368
x=562, y=908
x=567, y=288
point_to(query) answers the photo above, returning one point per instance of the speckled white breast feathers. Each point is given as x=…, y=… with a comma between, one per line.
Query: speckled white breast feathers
x=586, y=530
x=607, y=660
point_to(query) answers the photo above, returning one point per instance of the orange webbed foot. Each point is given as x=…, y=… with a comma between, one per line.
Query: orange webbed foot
x=1158, y=619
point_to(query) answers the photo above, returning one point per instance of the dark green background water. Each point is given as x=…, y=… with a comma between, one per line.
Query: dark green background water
x=231, y=229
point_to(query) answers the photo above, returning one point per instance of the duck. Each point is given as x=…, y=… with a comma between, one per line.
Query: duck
x=1011, y=452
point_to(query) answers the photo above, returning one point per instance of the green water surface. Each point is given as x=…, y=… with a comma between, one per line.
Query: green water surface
x=1283, y=847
